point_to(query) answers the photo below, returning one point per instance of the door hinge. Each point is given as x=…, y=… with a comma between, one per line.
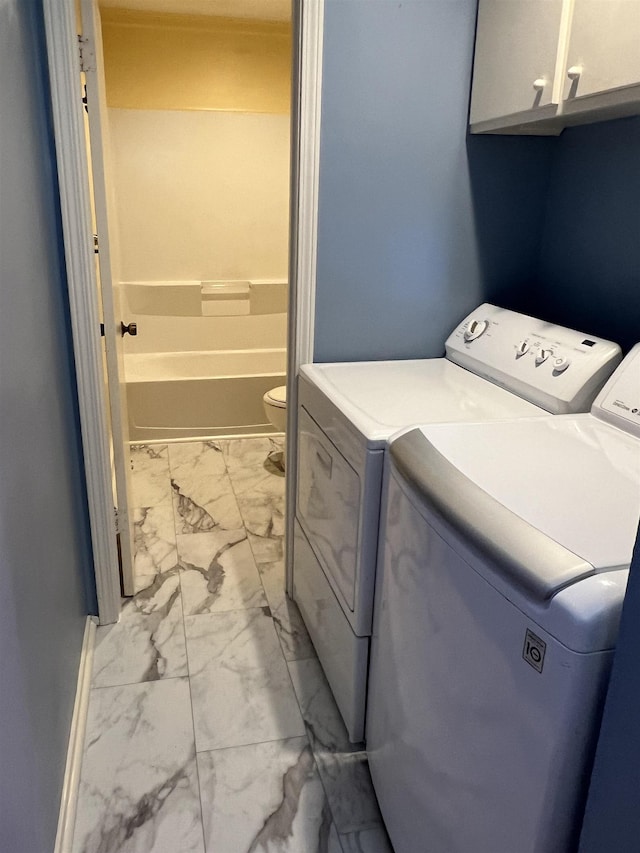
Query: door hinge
x=96, y=244
x=116, y=518
x=87, y=55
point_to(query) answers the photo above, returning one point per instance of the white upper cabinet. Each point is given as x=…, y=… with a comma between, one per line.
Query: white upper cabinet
x=604, y=47
x=516, y=53
x=541, y=65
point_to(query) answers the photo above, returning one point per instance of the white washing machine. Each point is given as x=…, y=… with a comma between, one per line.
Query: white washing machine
x=498, y=364
x=504, y=557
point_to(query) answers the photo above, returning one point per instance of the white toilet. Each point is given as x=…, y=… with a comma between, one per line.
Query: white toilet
x=275, y=407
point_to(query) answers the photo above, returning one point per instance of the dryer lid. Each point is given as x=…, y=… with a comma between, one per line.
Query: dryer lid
x=381, y=397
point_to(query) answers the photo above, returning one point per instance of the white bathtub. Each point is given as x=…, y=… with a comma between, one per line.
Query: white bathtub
x=200, y=394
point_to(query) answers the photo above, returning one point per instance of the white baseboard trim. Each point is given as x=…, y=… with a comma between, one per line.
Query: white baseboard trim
x=71, y=784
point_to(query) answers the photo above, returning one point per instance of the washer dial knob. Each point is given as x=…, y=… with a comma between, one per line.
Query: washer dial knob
x=543, y=355
x=522, y=348
x=561, y=363
x=475, y=329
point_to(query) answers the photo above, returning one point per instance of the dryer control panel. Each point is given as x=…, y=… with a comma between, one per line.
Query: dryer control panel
x=554, y=367
x=619, y=401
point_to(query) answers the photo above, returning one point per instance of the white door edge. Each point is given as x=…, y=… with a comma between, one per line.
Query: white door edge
x=97, y=125
x=308, y=29
x=64, y=71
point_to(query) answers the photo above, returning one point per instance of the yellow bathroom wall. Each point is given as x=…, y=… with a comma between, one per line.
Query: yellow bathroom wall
x=191, y=62
x=201, y=195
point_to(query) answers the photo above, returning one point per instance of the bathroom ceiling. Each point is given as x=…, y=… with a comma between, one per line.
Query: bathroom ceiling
x=264, y=10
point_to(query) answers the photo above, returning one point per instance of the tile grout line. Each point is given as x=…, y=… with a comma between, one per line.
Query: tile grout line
x=264, y=589
x=286, y=663
x=195, y=754
x=240, y=513
x=173, y=515
x=235, y=494
x=134, y=683
x=231, y=481
x=244, y=524
x=313, y=754
x=186, y=652
x=315, y=763
x=146, y=509
x=252, y=743
x=196, y=751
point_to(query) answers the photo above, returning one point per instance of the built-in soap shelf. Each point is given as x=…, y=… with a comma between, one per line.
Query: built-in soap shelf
x=225, y=298
x=206, y=298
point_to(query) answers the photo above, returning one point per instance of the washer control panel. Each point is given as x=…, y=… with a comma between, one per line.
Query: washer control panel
x=554, y=367
x=619, y=401
x=474, y=329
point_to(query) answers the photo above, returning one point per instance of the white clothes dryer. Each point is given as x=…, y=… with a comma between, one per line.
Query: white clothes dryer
x=503, y=563
x=498, y=364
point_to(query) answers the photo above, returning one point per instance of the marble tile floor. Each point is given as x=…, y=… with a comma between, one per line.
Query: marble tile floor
x=211, y=726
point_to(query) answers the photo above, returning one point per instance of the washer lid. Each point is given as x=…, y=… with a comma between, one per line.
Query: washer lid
x=572, y=477
x=381, y=397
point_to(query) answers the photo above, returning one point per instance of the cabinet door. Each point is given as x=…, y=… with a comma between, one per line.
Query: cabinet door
x=605, y=43
x=516, y=45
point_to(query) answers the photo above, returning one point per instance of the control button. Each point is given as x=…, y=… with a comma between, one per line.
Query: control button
x=475, y=329
x=522, y=348
x=561, y=363
x=543, y=355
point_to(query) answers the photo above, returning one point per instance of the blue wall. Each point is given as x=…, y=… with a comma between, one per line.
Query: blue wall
x=416, y=224
x=612, y=818
x=44, y=544
x=589, y=273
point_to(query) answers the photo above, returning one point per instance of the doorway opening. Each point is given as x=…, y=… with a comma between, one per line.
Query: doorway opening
x=199, y=125
x=194, y=151
x=73, y=170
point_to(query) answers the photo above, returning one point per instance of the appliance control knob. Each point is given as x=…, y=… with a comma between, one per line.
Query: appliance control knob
x=543, y=355
x=522, y=348
x=561, y=363
x=475, y=329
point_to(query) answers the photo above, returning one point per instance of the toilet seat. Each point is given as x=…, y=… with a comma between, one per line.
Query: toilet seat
x=277, y=397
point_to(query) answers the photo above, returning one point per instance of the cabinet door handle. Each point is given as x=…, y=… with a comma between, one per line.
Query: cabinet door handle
x=539, y=84
x=574, y=72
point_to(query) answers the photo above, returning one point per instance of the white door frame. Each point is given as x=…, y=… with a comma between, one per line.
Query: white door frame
x=64, y=72
x=306, y=102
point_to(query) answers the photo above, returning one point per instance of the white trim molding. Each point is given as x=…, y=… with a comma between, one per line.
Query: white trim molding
x=64, y=71
x=310, y=110
x=308, y=29
x=75, y=751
